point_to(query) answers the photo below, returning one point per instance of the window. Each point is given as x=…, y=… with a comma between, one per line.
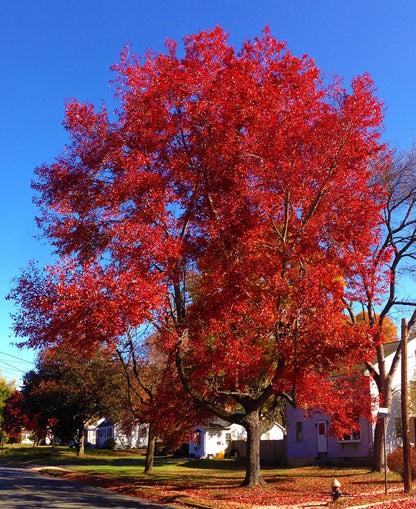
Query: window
x=299, y=436
x=398, y=426
x=354, y=436
x=228, y=439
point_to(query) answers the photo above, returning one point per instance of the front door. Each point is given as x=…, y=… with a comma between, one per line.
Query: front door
x=322, y=437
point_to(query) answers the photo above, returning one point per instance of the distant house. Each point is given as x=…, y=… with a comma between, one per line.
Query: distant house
x=308, y=438
x=25, y=437
x=104, y=429
x=216, y=440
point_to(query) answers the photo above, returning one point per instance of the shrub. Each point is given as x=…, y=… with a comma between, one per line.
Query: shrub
x=110, y=443
x=395, y=461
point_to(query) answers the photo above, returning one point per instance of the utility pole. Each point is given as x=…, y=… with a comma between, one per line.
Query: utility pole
x=407, y=479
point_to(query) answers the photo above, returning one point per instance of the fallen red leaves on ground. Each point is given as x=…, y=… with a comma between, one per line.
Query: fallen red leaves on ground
x=289, y=492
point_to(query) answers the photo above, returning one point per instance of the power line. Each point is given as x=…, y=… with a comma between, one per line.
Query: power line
x=8, y=374
x=14, y=357
x=11, y=366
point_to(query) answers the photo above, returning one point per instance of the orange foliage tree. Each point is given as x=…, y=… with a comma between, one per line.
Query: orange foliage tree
x=389, y=332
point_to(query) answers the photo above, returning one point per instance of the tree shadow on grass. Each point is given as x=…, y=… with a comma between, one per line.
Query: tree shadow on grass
x=184, y=482
x=214, y=464
x=87, y=462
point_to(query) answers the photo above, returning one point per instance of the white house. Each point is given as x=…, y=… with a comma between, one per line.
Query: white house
x=104, y=428
x=214, y=440
x=25, y=437
x=393, y=431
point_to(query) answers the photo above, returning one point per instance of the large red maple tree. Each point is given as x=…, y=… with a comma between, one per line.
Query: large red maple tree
x=228, y=203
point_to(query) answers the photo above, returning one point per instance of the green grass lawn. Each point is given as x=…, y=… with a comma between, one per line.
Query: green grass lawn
x=214, y=483
x=45, y=455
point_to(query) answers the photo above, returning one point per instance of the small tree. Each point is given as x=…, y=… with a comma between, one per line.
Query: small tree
x=155, y=394
x=399, y=239
x=14, y=418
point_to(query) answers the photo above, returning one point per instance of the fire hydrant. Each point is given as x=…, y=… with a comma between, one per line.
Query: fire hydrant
x=336, y=489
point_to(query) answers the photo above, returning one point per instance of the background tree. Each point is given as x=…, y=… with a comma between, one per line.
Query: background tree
x=399, y=238
x=67, y=391
x=156, y=395
x=36, y=409
x=246, y=169
x=388, y=333
x=6, y=390
x=14, y=418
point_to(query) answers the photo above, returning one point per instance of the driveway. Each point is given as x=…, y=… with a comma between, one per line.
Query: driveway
x=22, y=488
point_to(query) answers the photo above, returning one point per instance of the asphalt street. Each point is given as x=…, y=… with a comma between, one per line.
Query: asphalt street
x=23, y=488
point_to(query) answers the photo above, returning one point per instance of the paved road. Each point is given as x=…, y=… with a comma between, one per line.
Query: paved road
x=22, y=488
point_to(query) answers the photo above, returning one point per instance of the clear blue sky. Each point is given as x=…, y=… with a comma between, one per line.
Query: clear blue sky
x=54, y=49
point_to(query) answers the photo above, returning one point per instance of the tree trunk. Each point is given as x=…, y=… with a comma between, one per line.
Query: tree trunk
x=253, y=426
x=80, y=445
x=150, y=452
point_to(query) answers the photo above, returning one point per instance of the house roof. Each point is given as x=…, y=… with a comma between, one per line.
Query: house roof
x=218, y=423
x=390, y=348
x=105, y=424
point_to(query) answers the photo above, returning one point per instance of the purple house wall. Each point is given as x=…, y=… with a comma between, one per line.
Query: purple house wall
x=308, y=441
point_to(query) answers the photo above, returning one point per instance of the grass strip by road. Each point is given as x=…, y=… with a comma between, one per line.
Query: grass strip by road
x=216, y=483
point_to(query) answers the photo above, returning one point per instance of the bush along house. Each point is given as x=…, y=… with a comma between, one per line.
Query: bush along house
x=309, y=441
